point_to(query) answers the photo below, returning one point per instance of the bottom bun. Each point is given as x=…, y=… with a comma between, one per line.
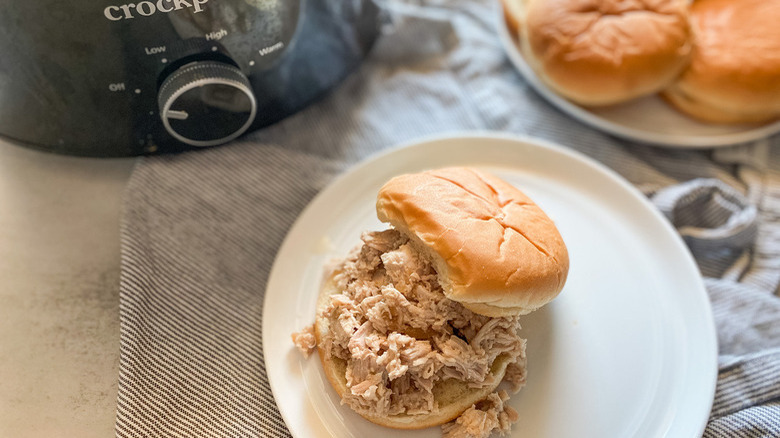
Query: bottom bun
x=452, y=396
x=497, y=311
x=677, y=96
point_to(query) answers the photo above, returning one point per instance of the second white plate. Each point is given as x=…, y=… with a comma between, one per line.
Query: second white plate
x=646, y=120
x=627, y=350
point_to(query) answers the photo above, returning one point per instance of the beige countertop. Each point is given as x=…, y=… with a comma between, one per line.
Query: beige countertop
x=59, y=288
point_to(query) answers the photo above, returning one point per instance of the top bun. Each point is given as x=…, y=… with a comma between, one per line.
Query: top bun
x=734, y=75
x=602, y=52
x=495, y=250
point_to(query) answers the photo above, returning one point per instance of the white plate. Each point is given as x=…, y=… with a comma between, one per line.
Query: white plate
x=646, y=120
x=627, y=350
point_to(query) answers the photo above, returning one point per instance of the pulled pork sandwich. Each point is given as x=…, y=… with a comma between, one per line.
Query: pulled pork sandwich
x=419, y=325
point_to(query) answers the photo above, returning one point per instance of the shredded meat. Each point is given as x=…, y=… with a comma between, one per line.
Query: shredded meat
x=305, y=340
x=399, y=334
x=515, y=374
x=482, y=419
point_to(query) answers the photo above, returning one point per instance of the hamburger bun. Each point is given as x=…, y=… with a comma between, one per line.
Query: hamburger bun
x=734, y=74
x=602, y=52
x=513, y=15
x=495, y=251
x=452, y=396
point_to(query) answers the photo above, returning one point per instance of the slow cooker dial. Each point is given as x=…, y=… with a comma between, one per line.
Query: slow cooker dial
x=206, y=103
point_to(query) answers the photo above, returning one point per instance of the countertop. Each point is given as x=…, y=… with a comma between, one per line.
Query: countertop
x=59, y=286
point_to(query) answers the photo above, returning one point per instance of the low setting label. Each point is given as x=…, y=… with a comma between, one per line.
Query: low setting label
x=155, y=50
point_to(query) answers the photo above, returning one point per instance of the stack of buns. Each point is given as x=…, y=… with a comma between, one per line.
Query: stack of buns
x=715, y=60
x=734, y=74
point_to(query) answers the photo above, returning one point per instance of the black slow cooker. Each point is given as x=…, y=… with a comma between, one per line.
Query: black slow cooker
x=108, y=78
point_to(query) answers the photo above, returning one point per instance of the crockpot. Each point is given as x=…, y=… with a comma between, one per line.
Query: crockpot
x=107, y=78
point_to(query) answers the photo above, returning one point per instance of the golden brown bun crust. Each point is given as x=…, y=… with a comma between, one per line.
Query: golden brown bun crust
x=513, y=15
x=734, y=75
x=601, y=52
x=495, y=250
x=452, y=396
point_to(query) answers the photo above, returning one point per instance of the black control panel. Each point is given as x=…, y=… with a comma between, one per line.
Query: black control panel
x=106, y=78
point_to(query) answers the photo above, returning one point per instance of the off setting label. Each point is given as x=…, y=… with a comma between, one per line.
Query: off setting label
x=120, y=86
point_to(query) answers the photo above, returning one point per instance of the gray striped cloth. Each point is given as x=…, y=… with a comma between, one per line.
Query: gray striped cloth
x=200, y=230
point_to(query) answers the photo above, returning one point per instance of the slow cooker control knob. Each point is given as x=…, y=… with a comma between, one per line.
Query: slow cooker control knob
x=206, y=103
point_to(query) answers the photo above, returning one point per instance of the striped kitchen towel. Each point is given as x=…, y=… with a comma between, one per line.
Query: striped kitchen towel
x=200, y=230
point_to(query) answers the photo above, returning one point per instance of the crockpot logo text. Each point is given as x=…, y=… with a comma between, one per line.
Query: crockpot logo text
x=147, y=8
